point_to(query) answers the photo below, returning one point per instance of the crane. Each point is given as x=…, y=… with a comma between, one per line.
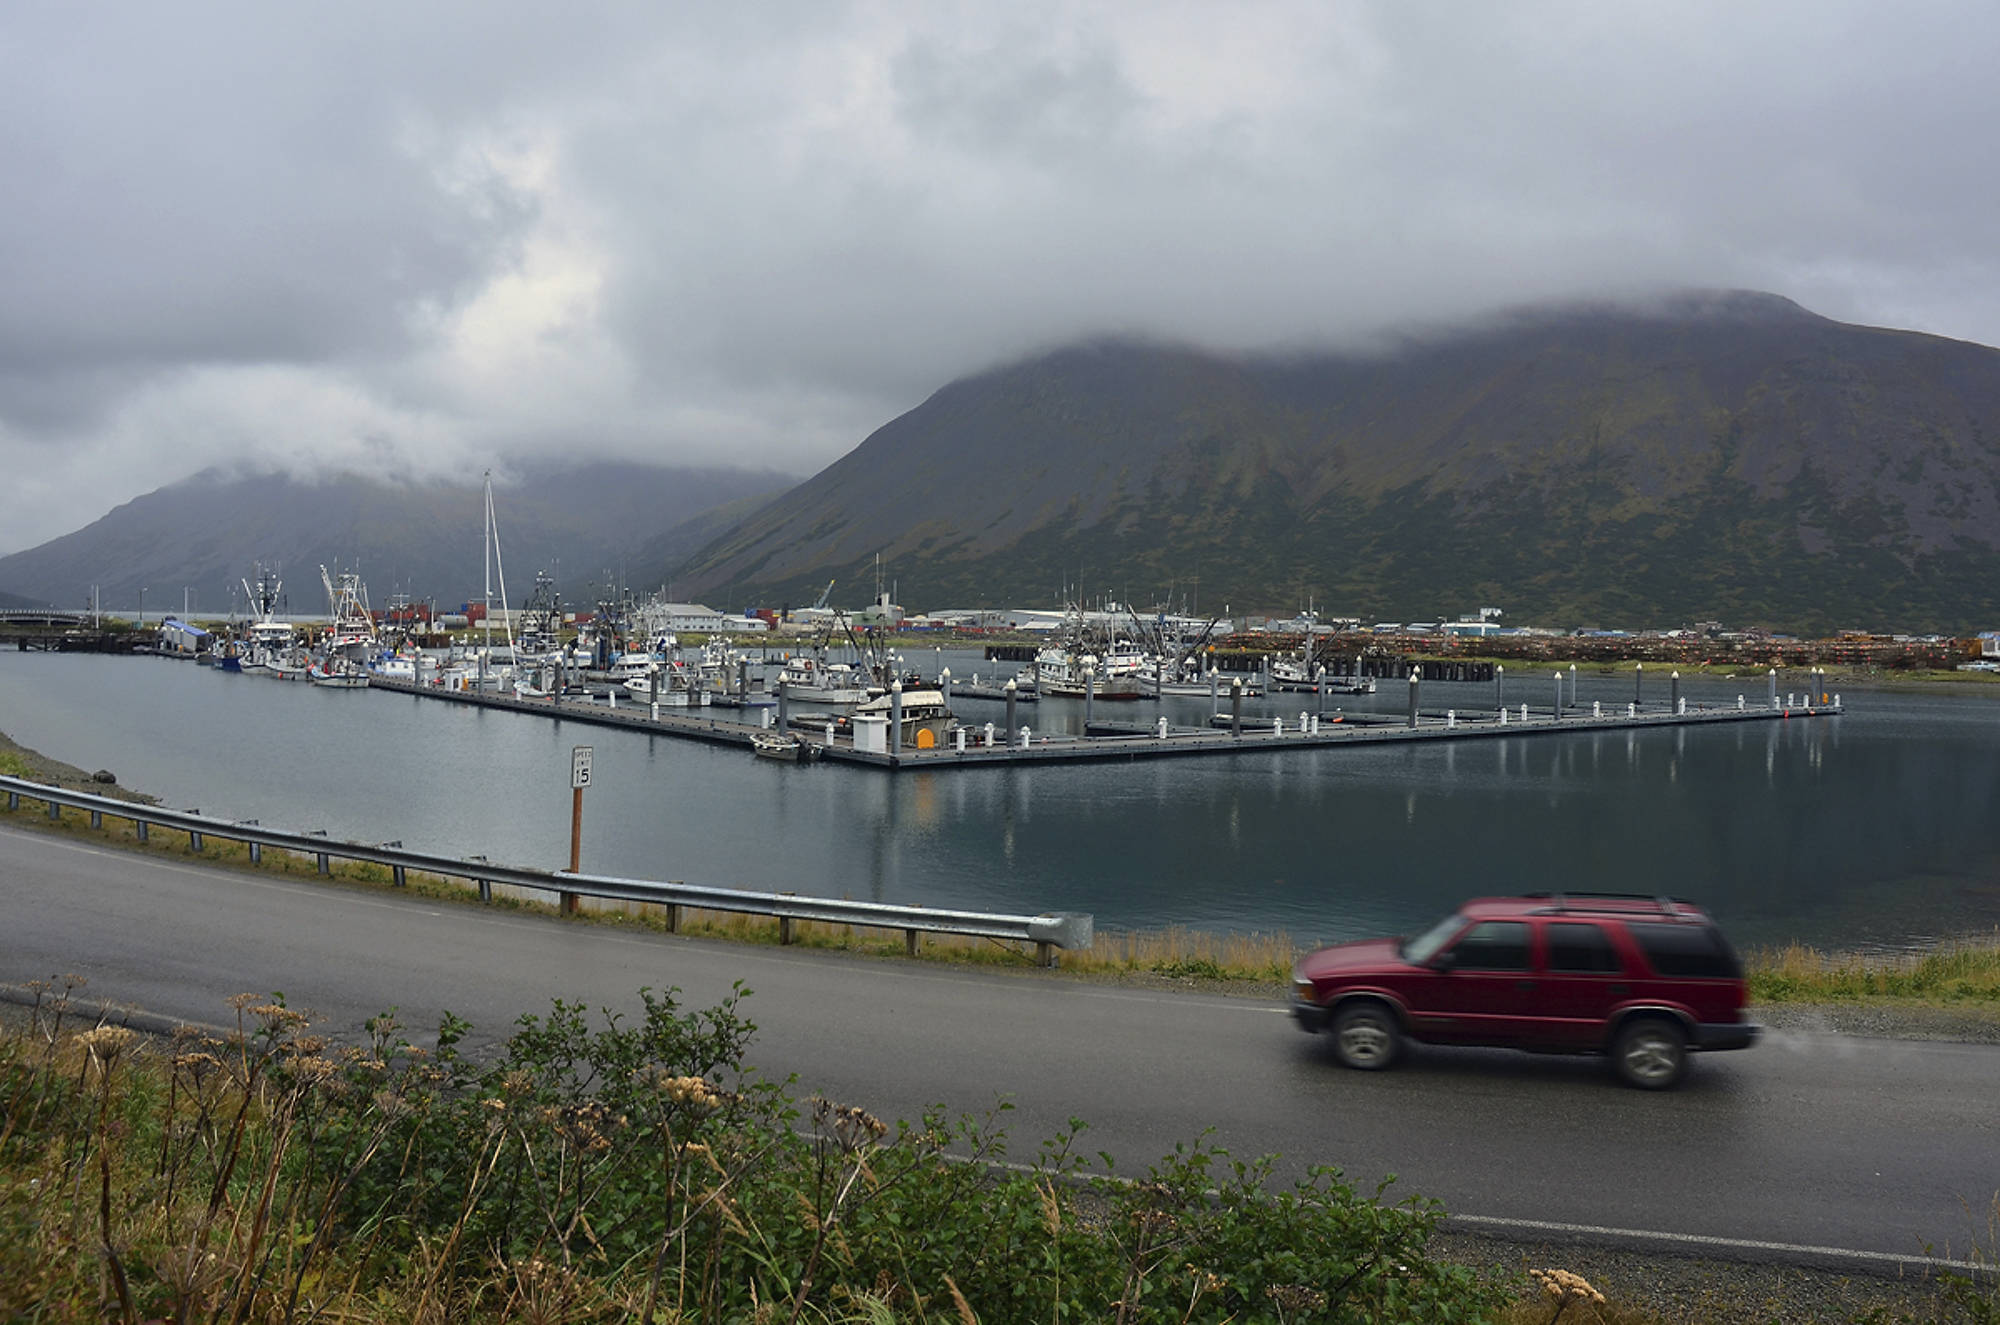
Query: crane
x=824, y=594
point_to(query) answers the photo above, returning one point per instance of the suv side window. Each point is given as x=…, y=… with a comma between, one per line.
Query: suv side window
x=1492, y=945
x=1686, y=950
x=1579, y=947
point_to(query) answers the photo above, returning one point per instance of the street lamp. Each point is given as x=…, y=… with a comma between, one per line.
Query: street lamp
x=142, y=607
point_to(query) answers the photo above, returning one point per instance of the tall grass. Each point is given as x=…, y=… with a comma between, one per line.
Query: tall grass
x=599, y=1170
x=1962, y=973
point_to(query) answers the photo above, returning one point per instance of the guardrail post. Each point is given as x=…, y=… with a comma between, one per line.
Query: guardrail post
x=321, y=857
x=194, y=838
x=785, y=934
x=139, y=827
x=13, y=801
x=910, y=940
x=673, y=918
x=55, y=811
x=96, y=819
x=1045, y=954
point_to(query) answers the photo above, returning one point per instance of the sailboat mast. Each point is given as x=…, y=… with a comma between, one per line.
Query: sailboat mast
x=486, y=548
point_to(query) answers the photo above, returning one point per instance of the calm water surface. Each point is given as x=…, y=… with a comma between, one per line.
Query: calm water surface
x=1878, y=828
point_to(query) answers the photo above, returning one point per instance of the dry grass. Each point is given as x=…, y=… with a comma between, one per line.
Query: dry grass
x=1955, y=974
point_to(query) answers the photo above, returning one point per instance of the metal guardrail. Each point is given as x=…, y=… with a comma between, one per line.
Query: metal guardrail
x=1048, y=931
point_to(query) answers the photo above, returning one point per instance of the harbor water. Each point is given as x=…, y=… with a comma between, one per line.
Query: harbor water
x=1877, y=829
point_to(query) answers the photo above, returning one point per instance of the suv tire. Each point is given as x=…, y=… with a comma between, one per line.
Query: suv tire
x=1650, y=1053
x=1366, y=1037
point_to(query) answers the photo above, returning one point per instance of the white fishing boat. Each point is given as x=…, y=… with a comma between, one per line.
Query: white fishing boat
x=810, y=680
x=1158, y=680
x=672, y=685
x=1064, y=675
x=352, y=632
x=337, y=673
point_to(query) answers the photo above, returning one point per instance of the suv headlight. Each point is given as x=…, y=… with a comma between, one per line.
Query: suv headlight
x=1302, y=989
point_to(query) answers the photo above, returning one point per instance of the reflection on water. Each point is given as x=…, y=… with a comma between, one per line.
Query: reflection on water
x=1877, y=828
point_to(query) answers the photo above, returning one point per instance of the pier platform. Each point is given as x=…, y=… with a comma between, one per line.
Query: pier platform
x=1129, y=741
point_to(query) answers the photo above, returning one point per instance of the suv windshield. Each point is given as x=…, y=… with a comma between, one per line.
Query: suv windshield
x=1422, y=948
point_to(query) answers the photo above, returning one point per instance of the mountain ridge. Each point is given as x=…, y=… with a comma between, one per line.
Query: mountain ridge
x=1719, y=454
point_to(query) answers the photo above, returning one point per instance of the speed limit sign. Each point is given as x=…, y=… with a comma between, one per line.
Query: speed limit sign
x=579, y=767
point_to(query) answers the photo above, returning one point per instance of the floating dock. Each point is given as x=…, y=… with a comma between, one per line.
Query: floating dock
x=1160, y=740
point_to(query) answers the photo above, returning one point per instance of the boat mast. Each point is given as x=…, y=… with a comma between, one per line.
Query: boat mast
x=486, y=548
x=493, y=563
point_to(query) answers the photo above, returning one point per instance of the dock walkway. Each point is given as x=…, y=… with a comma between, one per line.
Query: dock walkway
x=1119, y=742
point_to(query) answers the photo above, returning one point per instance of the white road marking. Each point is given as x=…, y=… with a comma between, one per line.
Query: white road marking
x=1709, y=1240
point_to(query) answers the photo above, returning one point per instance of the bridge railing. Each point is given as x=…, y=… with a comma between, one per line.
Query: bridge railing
x=1048, y=931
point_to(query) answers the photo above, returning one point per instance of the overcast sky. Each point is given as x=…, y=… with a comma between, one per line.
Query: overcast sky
x=430, y=238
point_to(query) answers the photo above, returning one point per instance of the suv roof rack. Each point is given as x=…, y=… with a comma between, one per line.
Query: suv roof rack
x=1567, y=901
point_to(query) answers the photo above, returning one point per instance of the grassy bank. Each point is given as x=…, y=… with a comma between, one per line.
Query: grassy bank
x=599, y=1171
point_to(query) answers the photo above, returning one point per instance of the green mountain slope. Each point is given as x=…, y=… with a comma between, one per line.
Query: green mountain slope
x=1719, y=455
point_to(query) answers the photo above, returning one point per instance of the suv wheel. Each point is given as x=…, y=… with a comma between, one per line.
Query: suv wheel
x=1365, y=1036
x=1650, y=1054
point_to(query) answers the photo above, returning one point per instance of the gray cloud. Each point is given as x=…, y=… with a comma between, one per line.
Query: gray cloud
x=424, y=239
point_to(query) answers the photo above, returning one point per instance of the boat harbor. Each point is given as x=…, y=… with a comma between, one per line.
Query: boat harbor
x=814, y=737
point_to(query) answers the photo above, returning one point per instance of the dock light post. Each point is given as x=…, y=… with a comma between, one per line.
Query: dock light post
x=1214, y=687
x=944, y=684
x=1638, y=684
x=1236, y=707
x=1013, y=693
x=1572, y=683
x=1416, y=681
x=1773, y=679
x=896, y=717
x=1559, y=697
x=1089, y=693
x=1319, y=689
x=784, y=707
x=1500, y=689
x=1674, y=692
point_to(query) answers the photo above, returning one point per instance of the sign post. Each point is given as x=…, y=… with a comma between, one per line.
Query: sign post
x=579, y=778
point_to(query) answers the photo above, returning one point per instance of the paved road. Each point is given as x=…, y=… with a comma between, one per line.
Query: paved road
x=1878, y=1147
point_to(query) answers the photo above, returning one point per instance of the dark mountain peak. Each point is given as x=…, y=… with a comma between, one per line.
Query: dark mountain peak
x=1684, y=455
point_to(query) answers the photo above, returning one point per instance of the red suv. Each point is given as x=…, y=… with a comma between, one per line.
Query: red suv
x=1642, y=979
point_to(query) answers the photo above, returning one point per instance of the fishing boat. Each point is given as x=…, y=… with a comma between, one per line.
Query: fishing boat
x=337, y=673
x=670, y=685
x=352, y=634
x=812, y=680
x=265, y=639
x=1064, y=675
x=1165, y=680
